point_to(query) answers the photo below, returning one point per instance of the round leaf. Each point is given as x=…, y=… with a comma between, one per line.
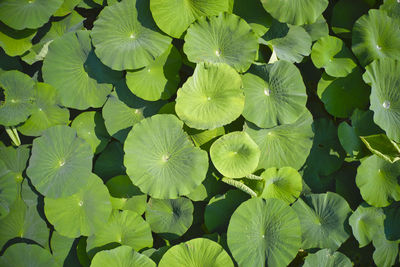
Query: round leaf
x=122, y=256
x=196, y=252
x=60, y=163
x=15, y=43
x=378, y=181
x=77, y=74
x=325, y=257
x=222, y=39
x=323, y=220
x=285, y=184
x=22, y=254
x=235, y=155
x=82, y=213
x=264, y=233
x=211, y=98
x=126, y=37
x=161, y=160
x=278, y=90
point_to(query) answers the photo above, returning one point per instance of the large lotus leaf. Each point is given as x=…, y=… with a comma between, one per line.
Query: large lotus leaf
x=46, y=111
x=211, y=98
x=277, y=90
x=122, y=256
x=123, y=110
x=386, y=251
x=90, y=127
x=21, y=14
x=318, y=29
x=296, y=12
x=126, y=228
x=323, y=220
x=159, y=79
x=62, y=248
x=284, y=145
x=235, y=155
x=382, y=146
x=161, y=160
x=175, y=18
x=366, y=222
x=327, y=155
x=50, y=31
x=284, y=183
x=220, y=209
x=341, y=96
x=254, y=14
x=60, y=163
x=344, y=15
x=376, y=36
x=264, y=233
x=23, y=221
x=169, y=217
x=126, y=37
x=225, y=38
x=378, y=181
x=66, y=7
x=383, y=77
x=326, y=257
x=289, y=42
x=83, y=213
x=23, y=255
x=332, y=54
x=110, y=162
x=74, y=70
x=18, y=90
x=196, y=252
x=392, y=8
x=126, y=195
x=15, y=43
x=8, y=63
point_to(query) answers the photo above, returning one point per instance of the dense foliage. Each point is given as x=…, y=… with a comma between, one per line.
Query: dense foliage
x=199, y=133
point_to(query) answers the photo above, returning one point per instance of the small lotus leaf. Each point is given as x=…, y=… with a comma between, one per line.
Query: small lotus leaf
x=123, y=256
x=22, y=254
x=326, y=257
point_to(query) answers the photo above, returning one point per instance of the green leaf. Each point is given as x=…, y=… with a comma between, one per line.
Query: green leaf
x=110, y=162
x=213, y=89
x=175, y=19
x=386, y=251
x=323, y=220
x=296, y=12
x=235, y=155
x=18, y=97
x=122, y=256
x=284, y=183
x=161, y=160
x=77, y=74
x=326, y=257
x=60, y=163
x=284, y=145
x=376, y=36
x=170, y=218
x=46, y=111
x=61, y=247
x=126, y=36
x=159, y=80
x=264, y=233
x=225, y=38
x=22, y=254
x=378, y=181
x=385, y=94
x=318, y=29
x=392, y=220
x=382, y=146
x=196, y=252
x=82, y=213
x=21, y=14
x=278, y=90
x=126, y=228
x=15, y=43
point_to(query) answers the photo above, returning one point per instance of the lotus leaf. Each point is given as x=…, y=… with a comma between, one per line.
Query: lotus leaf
x=277, y=90
x=122, y=256
x=196, y=252
x=22, y=254
x=270, y=238
x=60, y=163
x=132, y=38
x=318, y=29
x=225, y=38
x=111, y=161
x=325, y=257
x=213, y=89
x=382, y=146
x=15, y=43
